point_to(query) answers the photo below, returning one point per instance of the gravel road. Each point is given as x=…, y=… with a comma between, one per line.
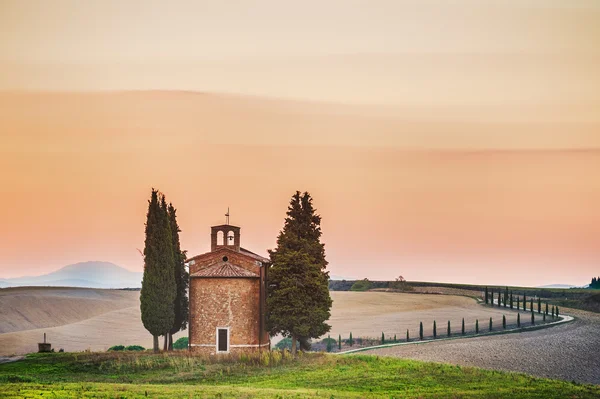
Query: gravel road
x=568, y=351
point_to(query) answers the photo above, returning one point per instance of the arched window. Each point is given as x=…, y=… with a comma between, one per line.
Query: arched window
x=230, y=238
x=220, y=239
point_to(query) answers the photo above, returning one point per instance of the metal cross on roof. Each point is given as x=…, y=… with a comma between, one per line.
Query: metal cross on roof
x=227, y=215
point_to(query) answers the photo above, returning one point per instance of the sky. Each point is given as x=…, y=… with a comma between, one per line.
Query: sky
x=454, y=141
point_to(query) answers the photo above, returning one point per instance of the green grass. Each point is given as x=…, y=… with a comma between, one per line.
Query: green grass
x=131, y=375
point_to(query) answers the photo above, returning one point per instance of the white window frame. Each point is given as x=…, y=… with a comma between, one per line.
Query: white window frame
x=217, y=339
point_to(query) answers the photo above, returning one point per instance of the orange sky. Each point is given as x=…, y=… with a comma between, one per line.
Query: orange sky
x=449, y=141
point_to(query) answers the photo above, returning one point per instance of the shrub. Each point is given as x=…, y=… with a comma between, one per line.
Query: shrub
x=421, y=331
x=181, y=343
x=285, y=343
x=361, y=285
x=135, y=348
x=116, y=348
x=434, y=330
x=503, y=321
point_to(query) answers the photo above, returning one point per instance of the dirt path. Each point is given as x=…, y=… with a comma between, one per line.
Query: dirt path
x=568, y=351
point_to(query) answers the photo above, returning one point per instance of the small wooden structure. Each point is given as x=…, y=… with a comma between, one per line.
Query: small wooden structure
x=44, y=346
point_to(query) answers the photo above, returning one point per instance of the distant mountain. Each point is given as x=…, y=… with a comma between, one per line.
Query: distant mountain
x=84, y=274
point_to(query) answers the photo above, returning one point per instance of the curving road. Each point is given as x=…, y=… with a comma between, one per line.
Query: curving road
x=568, y=351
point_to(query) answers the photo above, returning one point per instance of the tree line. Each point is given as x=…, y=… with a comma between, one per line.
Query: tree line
x=595, y=283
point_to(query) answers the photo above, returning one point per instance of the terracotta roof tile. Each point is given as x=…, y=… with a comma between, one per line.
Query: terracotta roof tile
x=224, y=269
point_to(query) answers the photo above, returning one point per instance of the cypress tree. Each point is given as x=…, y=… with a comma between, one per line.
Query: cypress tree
x=407, y=336
x=518, y=303
x=492, y=297
x=421, y=331
x=448, y=327
x=518, y=319
x=503, y=321
x=298, y=300
x=524, y=301
x=546, y=307
x=531, y=305
x=557, y=311
x=157, y=297
x=539, y=305
x=340, y=342
x=532, y=318
x=490, y=324
x=544, y=316
x=434, y=330
x=329, y=346
x=486, y=295
x=477, y=326
x=511, y=300
x=382, y=338
x=553, y=311
x=351, y=341
x=506, y=297
x=181, y=278
x=395, y=340
x=463, y=326
x=499, y=299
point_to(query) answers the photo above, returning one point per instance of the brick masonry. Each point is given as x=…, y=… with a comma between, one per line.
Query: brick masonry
x=234, y=302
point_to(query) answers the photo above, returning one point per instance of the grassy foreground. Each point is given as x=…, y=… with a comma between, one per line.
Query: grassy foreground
x=132, y=375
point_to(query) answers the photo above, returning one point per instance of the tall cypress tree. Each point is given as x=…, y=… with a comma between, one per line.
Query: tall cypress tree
x=298, y=301
x=486, y=296
x=181, y=278
x=158, y=292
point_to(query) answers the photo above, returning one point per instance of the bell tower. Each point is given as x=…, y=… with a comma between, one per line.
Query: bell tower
x=225, y=236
